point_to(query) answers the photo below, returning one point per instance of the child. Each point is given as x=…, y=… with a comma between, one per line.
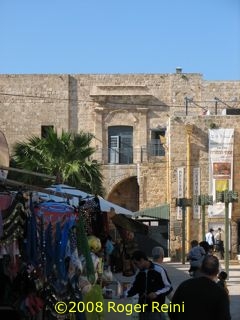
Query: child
x=222, y=277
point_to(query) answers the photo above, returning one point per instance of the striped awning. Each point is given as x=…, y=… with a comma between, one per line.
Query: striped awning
x=160, y=212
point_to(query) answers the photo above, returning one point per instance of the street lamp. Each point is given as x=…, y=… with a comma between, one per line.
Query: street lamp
x=226, y=197
x=183, y=203
x=203, y=200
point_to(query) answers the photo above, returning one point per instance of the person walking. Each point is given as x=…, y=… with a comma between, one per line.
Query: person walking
x=158, y=255
x=150, y=285
x=219, y=243
x=202, y=297
x=206, y=247
x=195, y=257
x=209, y=237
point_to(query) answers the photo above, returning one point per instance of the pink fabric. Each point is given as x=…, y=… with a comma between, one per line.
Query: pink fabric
x=5, y=201
x=1, y=224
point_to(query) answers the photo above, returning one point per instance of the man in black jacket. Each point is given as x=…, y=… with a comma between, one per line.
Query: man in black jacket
x=201, y=296
x=151, y=286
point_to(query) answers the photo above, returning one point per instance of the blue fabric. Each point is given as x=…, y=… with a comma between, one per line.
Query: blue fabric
x=61, y=240
x=49, y=250
x=64, y=239
x=54, y=207
x=57, y=257
x=109, y=247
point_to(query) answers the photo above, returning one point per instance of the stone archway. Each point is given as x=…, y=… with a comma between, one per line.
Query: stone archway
x=126, y=194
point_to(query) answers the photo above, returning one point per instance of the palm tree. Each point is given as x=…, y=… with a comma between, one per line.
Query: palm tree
x=68, y=157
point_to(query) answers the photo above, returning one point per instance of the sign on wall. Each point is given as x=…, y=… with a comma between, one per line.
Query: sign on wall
x=220, y=166
x=196, y=192
x=180, y=189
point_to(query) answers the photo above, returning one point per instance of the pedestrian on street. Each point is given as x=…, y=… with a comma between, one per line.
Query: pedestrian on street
x=150, y=286
x=219, y=243
x=202, y=297
x=209, y=237
x=195, y=257
x=206, y=247
x=158, y=255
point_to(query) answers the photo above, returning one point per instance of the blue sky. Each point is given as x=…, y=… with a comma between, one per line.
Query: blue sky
x=121, y=36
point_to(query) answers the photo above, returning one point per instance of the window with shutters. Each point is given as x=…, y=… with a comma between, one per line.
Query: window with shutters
x=156, y=145
x=120, y=144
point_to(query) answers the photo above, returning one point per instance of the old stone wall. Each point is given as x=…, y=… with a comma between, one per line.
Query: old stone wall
x=29, y=101
x=79, y=102
x=93, y=102
x=200, y=158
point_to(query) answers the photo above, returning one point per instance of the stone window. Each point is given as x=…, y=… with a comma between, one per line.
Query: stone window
x=120, y=144
x=156, y=146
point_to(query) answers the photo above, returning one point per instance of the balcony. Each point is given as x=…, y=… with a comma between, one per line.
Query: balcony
x=156, y=148
x=154, y=152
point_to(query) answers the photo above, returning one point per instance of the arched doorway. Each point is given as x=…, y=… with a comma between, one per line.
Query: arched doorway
x=126, y=194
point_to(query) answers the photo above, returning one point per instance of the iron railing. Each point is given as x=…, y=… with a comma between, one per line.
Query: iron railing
x=153, y=152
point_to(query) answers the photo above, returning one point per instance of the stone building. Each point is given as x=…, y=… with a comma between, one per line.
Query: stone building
x=140, y=125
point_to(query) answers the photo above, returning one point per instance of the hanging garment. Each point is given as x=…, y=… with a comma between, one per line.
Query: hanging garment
x=5, y=201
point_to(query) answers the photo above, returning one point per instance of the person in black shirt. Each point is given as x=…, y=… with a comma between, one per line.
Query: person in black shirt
x=150, y=286
x=203, y=299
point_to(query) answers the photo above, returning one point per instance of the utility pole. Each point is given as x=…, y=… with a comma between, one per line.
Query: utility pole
x=189, y=130
x=226, y=197
x=203, y=200
x=183, y=203
x=186, y=105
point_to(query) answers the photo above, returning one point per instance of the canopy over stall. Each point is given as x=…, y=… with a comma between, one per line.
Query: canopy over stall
x=159, y=212
x=129, y=224
x=105, y=206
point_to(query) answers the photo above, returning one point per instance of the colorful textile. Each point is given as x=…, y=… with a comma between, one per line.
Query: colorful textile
x=96, y=297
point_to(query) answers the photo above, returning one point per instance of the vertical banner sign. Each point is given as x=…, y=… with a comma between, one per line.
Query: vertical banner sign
x=196, y=192
x=220, y=166
x=180, y=190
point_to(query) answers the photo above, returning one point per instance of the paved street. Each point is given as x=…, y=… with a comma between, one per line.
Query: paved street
x=178, y=273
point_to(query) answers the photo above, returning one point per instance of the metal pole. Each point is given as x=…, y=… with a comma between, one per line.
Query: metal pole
x=203, y=222
x=189, y=129
x=226, y=239
x=29, y=172
x=183, y=232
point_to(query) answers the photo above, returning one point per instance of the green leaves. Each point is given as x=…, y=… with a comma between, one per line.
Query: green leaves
x=66, y=156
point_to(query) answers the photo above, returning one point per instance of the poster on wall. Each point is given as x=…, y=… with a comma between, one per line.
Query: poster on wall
x=220, y=166
x=196, y=192
x=180, y=189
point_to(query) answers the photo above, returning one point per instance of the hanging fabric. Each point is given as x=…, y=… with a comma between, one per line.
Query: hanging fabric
x=83, y=247
x=32, y=236
x=57, y=257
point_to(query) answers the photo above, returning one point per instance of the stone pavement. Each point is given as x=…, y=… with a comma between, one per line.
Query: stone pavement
x=178, y=272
